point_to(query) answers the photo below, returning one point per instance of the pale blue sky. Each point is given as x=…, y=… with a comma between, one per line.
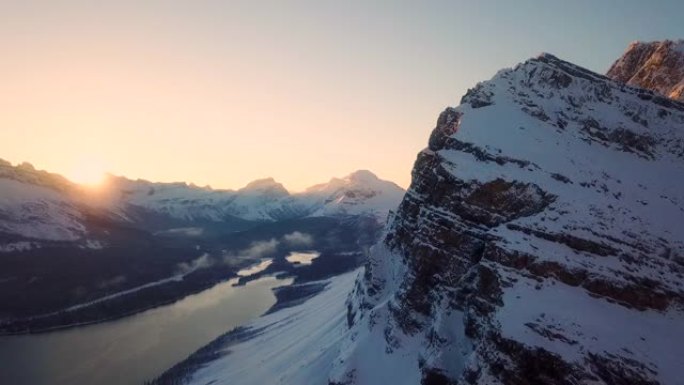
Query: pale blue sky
x=223, y=92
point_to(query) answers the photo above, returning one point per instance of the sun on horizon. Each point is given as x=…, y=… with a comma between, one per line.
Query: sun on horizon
x=88, y=173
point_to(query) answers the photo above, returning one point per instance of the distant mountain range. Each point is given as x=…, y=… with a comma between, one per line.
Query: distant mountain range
x=38, y=206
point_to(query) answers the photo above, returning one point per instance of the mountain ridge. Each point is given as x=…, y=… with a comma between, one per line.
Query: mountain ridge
x=63, y=208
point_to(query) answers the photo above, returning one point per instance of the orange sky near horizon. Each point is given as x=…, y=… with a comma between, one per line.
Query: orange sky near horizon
x=222, y=93
x=167, y=101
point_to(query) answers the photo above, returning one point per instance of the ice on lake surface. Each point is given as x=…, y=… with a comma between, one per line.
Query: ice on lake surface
x=259, y=267
x=302, y=258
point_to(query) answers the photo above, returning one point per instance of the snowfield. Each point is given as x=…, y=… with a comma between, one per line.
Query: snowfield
x=39, y=212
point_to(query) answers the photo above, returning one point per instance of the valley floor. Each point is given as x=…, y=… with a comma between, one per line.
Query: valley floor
x=164, y=272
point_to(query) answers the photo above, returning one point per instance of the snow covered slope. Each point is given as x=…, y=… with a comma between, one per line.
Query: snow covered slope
x=260, y=200
x=658, y=66
x=180, y=201
x=266, y=199
x=540, y=242
x=360, y=193
x=36, y=204
x=295, y=345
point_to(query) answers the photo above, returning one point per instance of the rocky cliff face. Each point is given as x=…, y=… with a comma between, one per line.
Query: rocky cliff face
x=540, y=241
x=658, y=66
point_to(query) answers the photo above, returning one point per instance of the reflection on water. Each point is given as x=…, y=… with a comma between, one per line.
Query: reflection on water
x=302, y=258
x=137, y=348
x=259, y=267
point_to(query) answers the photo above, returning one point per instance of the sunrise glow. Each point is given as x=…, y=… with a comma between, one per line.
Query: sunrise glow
x=88, y=174
x=228, y=92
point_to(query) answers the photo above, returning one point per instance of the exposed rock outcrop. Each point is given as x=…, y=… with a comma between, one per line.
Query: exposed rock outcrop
x=657, y=66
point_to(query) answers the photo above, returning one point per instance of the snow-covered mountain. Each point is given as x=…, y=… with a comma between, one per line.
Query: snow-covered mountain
x=192, y=203
x=658, y=66
x=43, y=206
x=37, y=204
x=540, y=242
x=360, y=193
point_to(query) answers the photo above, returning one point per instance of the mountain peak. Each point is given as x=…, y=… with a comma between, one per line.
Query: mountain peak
x=362, y=176
x=265, y=185
x=656, y=65
x=546, y=55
